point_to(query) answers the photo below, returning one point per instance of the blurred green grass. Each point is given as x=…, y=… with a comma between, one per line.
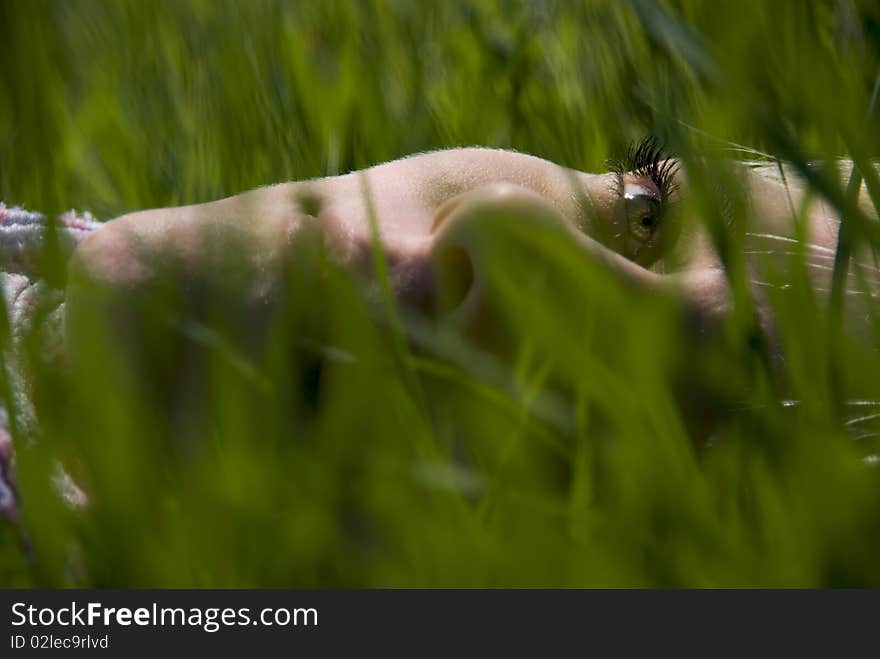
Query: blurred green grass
x=425, y=462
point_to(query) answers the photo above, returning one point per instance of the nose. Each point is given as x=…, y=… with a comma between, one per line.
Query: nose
x=472, y=247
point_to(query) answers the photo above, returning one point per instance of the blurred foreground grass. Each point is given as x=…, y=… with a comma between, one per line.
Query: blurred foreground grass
x=354, y=458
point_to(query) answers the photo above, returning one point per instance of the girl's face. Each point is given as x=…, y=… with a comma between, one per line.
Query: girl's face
x=628, y=211
x=424, y=207
x=437, y=218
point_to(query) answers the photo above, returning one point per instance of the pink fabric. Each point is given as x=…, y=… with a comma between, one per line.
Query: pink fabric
x=8, y=493
x=22, y=239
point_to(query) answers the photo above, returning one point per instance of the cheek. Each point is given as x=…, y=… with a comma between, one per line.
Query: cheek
x=643, y=253
x=647, y=253
x=610, y=229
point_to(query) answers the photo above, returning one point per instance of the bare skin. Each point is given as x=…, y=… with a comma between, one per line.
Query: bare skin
x=414, y=201
x=424, y=208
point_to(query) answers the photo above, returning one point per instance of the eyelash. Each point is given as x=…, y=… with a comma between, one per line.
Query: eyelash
x=646, y=158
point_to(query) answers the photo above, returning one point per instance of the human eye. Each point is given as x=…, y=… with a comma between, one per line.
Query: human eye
x=643, y=209
x=645, y=184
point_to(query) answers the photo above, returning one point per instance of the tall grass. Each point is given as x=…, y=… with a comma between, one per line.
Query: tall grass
x=371, y=449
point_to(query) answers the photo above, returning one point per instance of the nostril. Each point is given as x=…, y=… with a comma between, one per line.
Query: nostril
x=454, y=273
x=309, y=202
